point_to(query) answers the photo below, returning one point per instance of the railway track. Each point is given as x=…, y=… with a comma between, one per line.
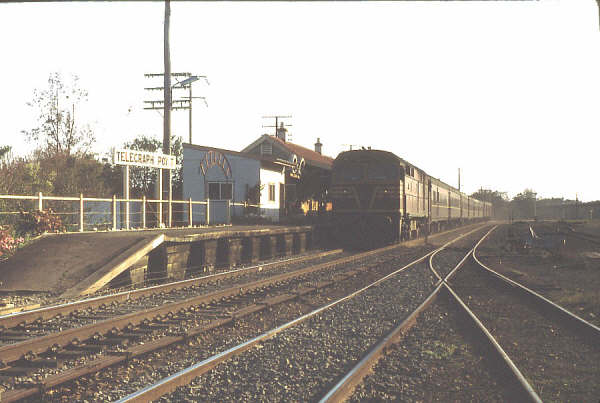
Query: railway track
x=313, y=334
x=38, y=315
x=46, y=351
x=536, y=361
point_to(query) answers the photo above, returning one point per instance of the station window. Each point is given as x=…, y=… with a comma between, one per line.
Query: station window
x=271, y=192
x=220, y=191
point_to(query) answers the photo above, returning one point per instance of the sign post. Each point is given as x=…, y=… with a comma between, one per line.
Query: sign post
x=125, y=169
x=138, y=158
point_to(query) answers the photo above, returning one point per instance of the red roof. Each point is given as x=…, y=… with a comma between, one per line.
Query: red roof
x=307, y=154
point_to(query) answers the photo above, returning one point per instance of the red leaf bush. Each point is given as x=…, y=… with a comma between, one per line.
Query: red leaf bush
x=38, y=222
x=8, y=243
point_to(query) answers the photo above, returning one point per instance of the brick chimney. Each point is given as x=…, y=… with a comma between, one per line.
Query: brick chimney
x=280, y=132
x=318, y=145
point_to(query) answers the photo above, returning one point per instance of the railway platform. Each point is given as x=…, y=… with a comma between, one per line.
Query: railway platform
x=81, y=263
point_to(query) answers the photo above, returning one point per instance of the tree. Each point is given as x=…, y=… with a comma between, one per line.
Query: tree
x=524, y=204
x=57, y=132
x=4, y=150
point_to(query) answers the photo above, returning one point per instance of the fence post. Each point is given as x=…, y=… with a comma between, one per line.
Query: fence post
x=170, y=219
x=228, y=211
x=190, y=212
x=207, y=211
x=80, y=212
x=114, y=213
x=40, y=202
x=144, y=211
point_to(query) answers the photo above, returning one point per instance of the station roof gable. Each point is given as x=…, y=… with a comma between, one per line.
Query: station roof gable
x=311, y=157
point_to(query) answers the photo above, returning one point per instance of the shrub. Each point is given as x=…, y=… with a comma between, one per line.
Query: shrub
x=8, y=243
x=38, y=222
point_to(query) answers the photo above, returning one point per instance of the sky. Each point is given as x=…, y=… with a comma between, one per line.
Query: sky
x=505, y=91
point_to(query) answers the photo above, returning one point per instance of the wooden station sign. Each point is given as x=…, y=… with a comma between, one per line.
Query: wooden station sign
x=144, y=159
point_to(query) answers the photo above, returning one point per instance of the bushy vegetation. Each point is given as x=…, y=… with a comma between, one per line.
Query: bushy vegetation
x=38, y=222
x=8, y=243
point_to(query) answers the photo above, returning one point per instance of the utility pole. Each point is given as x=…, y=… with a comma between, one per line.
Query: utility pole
x=167, y=83
x=280, y=130
x=459, y=179
x=176, y=104
x=167, y=108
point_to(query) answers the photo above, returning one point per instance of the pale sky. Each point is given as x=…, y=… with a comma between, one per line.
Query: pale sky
x=507, y=91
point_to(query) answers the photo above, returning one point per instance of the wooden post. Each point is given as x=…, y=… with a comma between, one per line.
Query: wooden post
x=170, y=219
x=144, y=211
x=207, y=211
x=190, y=212
x=159, y=197
x=40, y=202
x=228, y=211
x=126, y=194
x=80, y=212
x=114, y=212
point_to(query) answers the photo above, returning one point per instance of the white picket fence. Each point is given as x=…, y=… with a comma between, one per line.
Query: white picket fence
x=122, y=216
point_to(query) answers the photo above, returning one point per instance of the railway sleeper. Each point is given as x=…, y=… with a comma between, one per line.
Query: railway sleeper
x=37, y=363
x=110, y=341
x=14, y=371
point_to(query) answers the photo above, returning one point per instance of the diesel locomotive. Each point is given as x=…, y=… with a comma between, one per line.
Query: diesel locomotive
x=379, y=198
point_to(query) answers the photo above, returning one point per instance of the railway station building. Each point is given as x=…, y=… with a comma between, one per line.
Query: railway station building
x=281, y=178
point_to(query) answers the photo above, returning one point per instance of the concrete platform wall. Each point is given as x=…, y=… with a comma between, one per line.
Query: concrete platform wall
x=178, y=258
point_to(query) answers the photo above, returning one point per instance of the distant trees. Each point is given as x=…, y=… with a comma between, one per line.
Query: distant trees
x=4, y=150
x=498, y=199
x=524, y=205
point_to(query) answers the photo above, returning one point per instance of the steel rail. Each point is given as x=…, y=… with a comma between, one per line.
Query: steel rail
x=453, y=271
x=446, y=245
x=13, y=352
x=98, y=364
x=48, y=312
x=585, y=329
x=183, y=377
x=526, y=388
x=345, y=387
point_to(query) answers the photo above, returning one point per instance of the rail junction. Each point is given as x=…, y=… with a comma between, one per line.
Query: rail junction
x=324, y=325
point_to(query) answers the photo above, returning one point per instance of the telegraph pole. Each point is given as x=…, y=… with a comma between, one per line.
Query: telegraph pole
x=167, y=108
x=176, y=104
x=167, y=83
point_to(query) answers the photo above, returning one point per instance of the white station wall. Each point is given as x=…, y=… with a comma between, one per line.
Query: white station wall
x=270, y=208
x=245, y=173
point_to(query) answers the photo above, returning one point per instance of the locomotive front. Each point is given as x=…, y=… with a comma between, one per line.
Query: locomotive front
x=366, y=195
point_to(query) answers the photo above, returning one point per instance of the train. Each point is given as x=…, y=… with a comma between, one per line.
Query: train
x=379, y=198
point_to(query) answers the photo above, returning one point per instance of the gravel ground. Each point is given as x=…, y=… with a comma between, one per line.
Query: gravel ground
x=565, y=277
x=436, y=361
x=300, y=363
x=557, y=363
